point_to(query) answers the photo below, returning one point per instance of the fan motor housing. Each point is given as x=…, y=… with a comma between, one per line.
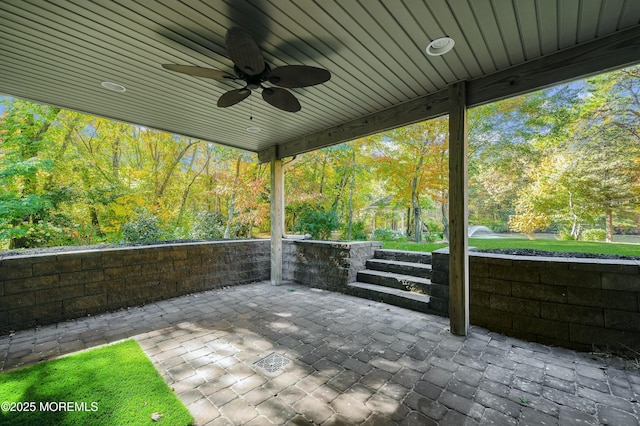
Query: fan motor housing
x=253, y=81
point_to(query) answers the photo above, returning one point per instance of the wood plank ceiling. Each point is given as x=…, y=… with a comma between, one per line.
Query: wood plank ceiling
x=59, y=51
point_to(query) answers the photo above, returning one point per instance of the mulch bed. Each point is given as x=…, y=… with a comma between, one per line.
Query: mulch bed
x=531, y=252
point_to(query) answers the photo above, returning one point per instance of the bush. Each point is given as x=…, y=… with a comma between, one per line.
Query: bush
x=357, y=231
x=564, y=234
x=208, y=226
x=388, y=235
x=41, y=234
x=527, y=222
x=318, y=223
x=594, y=235
x=143, y=227
x=432, y=231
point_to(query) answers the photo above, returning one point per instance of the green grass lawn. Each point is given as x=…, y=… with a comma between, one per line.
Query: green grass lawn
x=524, y=243
x=112, y=385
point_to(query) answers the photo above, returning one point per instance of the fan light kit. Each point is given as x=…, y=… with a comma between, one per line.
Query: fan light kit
x=115, y=87
x=250, y=67
x=440, y=46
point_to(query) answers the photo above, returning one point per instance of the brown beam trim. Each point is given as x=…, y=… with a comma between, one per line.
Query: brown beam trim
x=420, y=109
x=608, y=53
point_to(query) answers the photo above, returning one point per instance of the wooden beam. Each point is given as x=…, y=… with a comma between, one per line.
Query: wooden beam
x=605, y=54
x=266, y=155
x=458, y=212
x=420, y=109
x=601, y=55
x=277, y=217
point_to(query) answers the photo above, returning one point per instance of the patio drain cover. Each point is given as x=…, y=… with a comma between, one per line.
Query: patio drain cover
x=272, y=362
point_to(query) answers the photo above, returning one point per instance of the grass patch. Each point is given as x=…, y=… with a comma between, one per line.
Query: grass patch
x=524, y=243
x=112, y=385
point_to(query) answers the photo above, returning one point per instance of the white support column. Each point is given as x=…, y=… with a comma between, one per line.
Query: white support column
x=277, y=217
x=458, y=211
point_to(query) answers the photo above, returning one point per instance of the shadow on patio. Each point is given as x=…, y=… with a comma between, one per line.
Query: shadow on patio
x=352, y=361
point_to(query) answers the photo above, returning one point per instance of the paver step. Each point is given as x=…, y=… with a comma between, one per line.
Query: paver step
x=393, y=296
x=394, y=280
x=403, y=255
x=421, y=270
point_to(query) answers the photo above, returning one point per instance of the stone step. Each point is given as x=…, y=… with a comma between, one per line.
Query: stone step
x=393, y=296
x=393, y=280
x=421, y=270
x=403, y=255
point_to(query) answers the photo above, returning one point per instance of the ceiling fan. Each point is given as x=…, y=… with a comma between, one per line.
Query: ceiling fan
x=250, y=67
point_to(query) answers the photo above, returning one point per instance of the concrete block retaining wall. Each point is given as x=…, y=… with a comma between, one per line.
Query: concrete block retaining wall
x=570, y=302
x=328, y=265
x=47, y=288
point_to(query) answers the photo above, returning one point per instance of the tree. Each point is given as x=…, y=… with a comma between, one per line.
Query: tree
x=605, y=172
x=415, y=162
x=25, y=203
x=609, y=141
x=334, y=179
x=587, y=165
x=71, y=178
x=508, y=140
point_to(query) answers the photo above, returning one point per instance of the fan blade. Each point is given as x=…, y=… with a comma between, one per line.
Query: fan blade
x=232, y=97
x=292, y=76
x=281, y=98
x=199, y=71
x=244, y=51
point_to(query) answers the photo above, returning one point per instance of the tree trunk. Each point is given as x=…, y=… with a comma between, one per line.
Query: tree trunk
x=172, y=168
x=609, y=225
x=445, y=217
x=350, y=224
x=116, y=153
x=31, y=149
x=575, y=227
x=353, y=181
x=341, y=186
x=185, y=193
x=417, y=222
x=417, y=217
x=324, y=163
x=227, y=229
x=415, y=199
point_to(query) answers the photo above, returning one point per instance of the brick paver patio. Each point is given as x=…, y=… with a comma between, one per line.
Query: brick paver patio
x=351, y=361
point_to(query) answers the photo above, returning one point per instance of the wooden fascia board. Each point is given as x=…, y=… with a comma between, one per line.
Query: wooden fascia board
x=420, y=109
x=608, y=53
x=601, y=55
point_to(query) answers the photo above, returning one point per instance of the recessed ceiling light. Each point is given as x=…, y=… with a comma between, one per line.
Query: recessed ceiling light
x=440, y=46
x=253, y=129
x=113, y=86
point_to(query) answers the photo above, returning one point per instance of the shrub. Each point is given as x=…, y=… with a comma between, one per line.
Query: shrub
x=318, y=223
x=388, y=235
x=433, y=230
x=357, y=231
x=41, y=234
x=564, y=234
x=527, y=222
x=143, y=227
x=594, y=235
x=208, y=226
